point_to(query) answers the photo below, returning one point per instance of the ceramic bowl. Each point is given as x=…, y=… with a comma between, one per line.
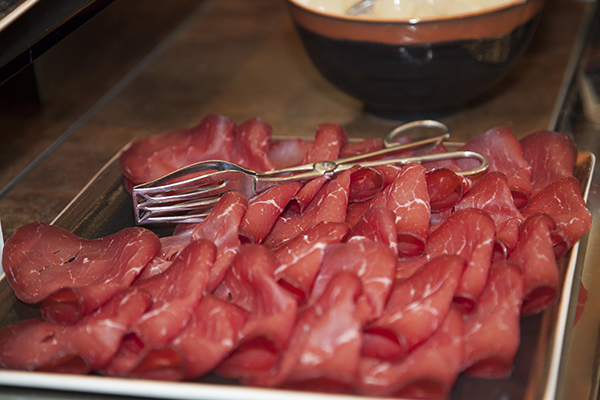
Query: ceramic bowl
x=416, y=65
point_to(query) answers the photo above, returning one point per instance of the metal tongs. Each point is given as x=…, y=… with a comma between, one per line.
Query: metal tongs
x=189, y=194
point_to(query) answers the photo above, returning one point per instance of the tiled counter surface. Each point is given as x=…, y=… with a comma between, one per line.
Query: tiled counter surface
x=165, y=65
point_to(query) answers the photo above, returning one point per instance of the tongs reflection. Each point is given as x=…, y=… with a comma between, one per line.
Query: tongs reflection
x=189, y=194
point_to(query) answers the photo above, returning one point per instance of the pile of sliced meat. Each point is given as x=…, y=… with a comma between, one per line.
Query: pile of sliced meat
x=385, y=281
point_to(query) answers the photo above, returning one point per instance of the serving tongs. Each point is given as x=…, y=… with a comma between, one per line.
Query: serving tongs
x=189, y=194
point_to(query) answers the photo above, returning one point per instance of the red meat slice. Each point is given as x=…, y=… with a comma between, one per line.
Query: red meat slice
x=170, y=247
x=300, y=258
x=263, y=211
x=329, y=140
x=87, y=345
x=492, y=195
x=304, y=196
x=539, y=269
x=249, y=284
x=504, y=153
x=416, y=308
x=324, y=350
x=175, y=294
x=492, y=332
x=563, y=201
x=70, y=275
x=201, y=346
x=329, y=205
x=445, y=189
x=365, y=184
x=157, y=155
x=288, y=152
x=360, y=147
x=428, y=372
x=251, y=145
x=222, y=227
x=408, y=198
x=551, y=155
x=377, y=224
x=373, y=262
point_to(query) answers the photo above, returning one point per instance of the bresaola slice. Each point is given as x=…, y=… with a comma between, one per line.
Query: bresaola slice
x=251, y=145
x=72, y=276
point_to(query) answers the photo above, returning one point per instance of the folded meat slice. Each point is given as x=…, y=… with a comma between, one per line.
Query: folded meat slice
x=250, y=284
x=373, y=262
x=535, y=256
x=416, y=308
x=562, y=200
x=251, y=145
x=445, y=189
x=263, y=211
x=288, y=152
x=324, y=350
x=300, y=258
x=83, y=347
x=377, y=224
x=492, y=195
x=504, y=153
x=329, y=205
x=329, y=140
x=151, y=157
x=428, y=372
x=70, y=275
x=492, y=333
x=551, y=155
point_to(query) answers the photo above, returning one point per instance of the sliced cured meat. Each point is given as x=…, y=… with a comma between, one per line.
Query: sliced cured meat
x=288, y=152
x=539, y=269
x=329, y=140
x=222, y=227
x=324, y=350
x=170, y=247
x=439, y=164
x=360, y=147
x=329, y=205
x=445, y=189
x=70, y=275
x=373, y=262
x=470, y=234
x=157, y=155
x=251, y=145
x=408, y=198
x=377, y=224
x=264, y=209
x=175, y=294
x=300, y=258
x=428, y=372
x=504, y=153
x=87, y=345
x=563, y=201
x=304, y=196
x=416, y=308
x=492, y=195
x=365, y=184
x=207, y=339
x=492, y=332
x=551, y=155
x=249, y=284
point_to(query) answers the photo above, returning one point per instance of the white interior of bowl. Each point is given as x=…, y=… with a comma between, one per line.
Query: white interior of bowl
x=409, y=11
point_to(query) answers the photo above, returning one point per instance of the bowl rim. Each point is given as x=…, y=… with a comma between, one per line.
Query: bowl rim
x=414, y=20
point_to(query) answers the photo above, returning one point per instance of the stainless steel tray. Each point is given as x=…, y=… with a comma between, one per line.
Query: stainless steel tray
x=104, y=207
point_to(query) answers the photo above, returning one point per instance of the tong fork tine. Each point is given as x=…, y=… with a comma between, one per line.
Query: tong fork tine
x=171, y=199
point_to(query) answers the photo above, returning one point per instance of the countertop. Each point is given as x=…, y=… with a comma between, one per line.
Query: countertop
x=141, y=67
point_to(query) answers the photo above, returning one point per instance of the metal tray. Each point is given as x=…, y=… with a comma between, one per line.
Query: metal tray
x=104, y=207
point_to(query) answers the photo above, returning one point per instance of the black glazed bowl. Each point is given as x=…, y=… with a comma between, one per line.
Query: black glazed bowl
x=417, y=65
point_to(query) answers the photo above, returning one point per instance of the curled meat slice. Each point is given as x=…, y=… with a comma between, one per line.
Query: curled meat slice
x=551, y=155
x=373, y=262
x=288, y=152
x=504, y=153
x=300, y=258
x=492, y=332
x=562, y=200
x=360, y=147
x=377, y=224
x=85, y=346
x=251, y=145
x=329, y=140
x=324, y=350
x=157, y=155
x=416, y=308
x=428, y=372
x=445, y=189
x=263, y=210
x=492, y=195
x=70, y=275
x=540, y=272
x=249, y=284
